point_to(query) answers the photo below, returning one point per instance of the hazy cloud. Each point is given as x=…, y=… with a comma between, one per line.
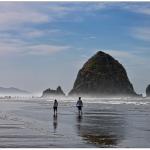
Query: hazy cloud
x=142, y=33
x=43, y=49
x=16, y=46
x=137, y=7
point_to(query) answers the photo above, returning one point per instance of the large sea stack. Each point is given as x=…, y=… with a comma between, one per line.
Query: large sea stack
x=102, y=75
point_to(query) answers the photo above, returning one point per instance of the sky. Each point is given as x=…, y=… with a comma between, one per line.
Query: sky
x=44, y=44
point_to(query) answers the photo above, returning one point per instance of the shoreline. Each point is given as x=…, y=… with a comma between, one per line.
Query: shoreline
x=32, y=124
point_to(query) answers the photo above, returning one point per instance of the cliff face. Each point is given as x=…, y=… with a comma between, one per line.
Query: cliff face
x=102, y=75
x=50, y=92
x=148, y=90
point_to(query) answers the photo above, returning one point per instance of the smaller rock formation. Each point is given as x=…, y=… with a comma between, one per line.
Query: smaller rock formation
x=148, y=91
x=51, y=92
x=59, y=91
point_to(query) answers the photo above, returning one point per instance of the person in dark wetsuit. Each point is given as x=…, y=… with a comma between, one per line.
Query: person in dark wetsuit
x=55, y=107
x=79, y=105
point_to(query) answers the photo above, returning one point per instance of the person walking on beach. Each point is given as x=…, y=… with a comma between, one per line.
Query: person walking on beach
x=55, y=107
x=79, y=106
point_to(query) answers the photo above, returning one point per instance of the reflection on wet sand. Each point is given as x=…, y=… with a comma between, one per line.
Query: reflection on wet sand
x=79, y=120
x=102, y=140
x=55, y=123
x=102, y=130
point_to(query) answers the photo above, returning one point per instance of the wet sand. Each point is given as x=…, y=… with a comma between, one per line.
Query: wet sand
x=30, y=123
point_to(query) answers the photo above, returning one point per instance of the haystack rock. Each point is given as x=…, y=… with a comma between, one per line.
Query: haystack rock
x=148, y=91
x=102, y=75
x=51, y=92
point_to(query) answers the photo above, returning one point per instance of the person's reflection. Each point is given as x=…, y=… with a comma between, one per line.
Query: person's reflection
x=79, y=120
x=101, y=130
x=55, y=124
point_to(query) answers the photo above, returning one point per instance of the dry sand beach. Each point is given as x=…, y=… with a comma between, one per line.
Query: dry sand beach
x=105, y=123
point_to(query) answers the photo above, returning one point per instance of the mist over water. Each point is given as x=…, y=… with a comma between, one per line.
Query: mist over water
x=103, y=100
